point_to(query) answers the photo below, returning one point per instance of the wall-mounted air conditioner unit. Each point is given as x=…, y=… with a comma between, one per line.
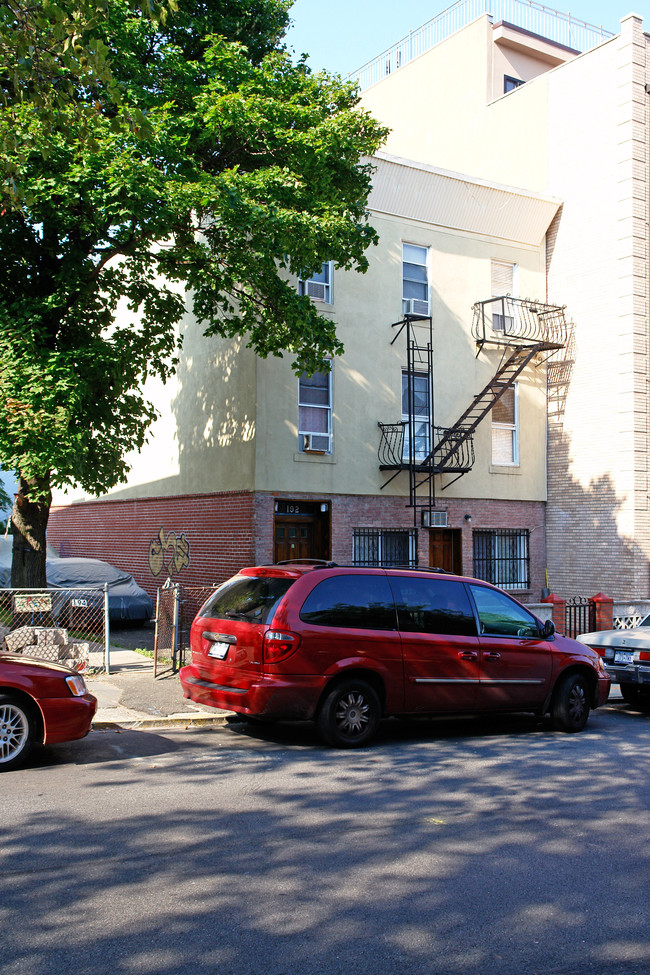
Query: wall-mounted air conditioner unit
x=434, y=519
x=415, y=306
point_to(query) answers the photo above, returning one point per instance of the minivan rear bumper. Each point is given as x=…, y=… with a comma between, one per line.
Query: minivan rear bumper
x=267, y=696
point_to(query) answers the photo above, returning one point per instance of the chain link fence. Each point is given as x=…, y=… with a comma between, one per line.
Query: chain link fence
x=69, y=626
x=176, y=607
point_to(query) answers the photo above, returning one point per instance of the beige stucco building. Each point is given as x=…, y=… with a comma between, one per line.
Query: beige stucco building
x=428, y=441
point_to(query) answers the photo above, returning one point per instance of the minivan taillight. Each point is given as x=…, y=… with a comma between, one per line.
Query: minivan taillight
x=279, y=644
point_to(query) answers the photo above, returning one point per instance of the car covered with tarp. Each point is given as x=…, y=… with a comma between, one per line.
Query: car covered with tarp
x=127, y=601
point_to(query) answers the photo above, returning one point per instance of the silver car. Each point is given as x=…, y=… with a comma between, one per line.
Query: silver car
x=626, y=655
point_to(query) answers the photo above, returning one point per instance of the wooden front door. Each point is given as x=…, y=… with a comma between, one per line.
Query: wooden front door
x=445, y=549
x=293, y=540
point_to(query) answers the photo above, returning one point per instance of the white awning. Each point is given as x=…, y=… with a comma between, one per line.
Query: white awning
x=436, y=196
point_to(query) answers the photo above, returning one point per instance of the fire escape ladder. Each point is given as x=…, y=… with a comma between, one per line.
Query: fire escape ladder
x=525, y=329
x=405, y=445
x=447, y=447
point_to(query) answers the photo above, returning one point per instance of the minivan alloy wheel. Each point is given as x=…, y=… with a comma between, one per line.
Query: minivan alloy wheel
x=350, y=714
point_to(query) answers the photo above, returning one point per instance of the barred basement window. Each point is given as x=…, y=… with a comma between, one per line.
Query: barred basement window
x=502, y=558
x=384, y=546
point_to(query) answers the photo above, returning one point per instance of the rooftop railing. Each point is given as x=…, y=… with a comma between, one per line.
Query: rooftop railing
x=534, y=17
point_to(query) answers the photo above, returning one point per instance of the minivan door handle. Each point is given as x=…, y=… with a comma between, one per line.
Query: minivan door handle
x=492, y=655
x=468, y=655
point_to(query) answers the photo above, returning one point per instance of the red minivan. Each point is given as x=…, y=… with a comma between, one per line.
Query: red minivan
x=346, y=646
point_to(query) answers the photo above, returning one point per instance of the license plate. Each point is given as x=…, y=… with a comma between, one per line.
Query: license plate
x=219, y=650
x=623, y=657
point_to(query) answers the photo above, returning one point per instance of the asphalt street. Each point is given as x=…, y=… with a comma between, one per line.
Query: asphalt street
x=463, y=847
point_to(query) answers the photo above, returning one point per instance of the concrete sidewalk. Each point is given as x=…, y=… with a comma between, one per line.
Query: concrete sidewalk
x=130, y=696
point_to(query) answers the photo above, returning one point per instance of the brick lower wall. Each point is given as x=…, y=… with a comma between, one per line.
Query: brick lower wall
x=203, y=539
x=198, y=539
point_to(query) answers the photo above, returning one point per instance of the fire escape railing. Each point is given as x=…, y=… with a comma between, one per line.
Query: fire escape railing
x=519, y=321
x=458, y=455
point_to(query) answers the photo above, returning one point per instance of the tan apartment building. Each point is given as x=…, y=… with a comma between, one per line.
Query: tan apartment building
x=427, y=442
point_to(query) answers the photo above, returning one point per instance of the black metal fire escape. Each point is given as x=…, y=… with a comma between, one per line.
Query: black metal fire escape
x=525, y=330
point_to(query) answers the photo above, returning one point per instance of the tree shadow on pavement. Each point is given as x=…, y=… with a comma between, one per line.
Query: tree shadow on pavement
x=459, y=846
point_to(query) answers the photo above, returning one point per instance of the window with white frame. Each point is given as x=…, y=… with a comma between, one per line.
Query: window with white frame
x=416, y=414
x=384, y=546
x=315, y=413
x=505, y=428
x=502, y=557
x=415, y=279
x=318, y=286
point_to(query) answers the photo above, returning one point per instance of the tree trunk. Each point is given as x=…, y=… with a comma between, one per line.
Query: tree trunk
x=29, y=517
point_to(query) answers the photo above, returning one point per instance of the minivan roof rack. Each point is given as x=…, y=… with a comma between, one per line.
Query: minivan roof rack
x=323, y=564
x=317, y=563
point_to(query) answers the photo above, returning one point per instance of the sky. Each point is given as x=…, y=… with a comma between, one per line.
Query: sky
x=341, y=35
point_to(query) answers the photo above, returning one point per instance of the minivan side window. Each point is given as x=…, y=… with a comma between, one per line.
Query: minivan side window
x=362, y=602
x=433, y=606
x=501, y=616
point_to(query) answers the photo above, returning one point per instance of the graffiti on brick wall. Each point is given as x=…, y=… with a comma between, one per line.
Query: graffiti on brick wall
x=168, y=551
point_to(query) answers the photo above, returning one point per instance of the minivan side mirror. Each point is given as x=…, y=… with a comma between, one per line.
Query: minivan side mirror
x=548, y=629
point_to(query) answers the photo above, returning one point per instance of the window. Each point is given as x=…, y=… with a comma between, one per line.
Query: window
x=363, y=602
x=502, y=558
x=504, y=282
x=509, y=84
x=384, y=546
x=433, y=606
x=418, y=408
x=315, y=412
x=501, y=616
x=318, y=286
x=505, y=428
x=415, y=279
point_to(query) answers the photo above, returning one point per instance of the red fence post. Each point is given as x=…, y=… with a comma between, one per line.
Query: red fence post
x=604, y=611
x=559, y=611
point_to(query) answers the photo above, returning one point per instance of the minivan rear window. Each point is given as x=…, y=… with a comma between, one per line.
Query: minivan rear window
x=362, y=602
x=249, y=598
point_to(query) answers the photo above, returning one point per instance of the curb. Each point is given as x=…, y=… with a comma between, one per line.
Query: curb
x=185, y=721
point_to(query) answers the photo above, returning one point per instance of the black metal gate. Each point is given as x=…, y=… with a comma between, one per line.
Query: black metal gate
x=580, y=616
x=177, y=606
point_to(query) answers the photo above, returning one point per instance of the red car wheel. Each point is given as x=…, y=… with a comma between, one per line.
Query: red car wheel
x=16, y=732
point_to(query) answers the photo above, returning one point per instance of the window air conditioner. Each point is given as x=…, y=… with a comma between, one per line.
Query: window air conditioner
x=317, y=290
x=415, y=306
x=315, y=443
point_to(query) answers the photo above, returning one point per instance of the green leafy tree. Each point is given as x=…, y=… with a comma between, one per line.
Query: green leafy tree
x=146, y=153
